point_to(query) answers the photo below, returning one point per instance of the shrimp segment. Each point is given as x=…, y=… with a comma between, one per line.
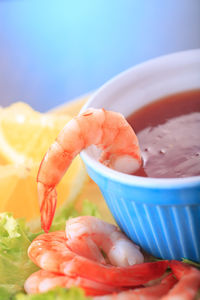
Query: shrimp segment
x=50, y=252
x=106, y=129
x=87, y=235
x=154, y=292
x=188, y=284
x=43, y=281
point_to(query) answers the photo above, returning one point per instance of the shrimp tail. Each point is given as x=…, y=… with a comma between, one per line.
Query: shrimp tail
x=48, y=200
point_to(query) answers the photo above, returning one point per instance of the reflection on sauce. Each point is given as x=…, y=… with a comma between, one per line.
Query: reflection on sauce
x=169, y=136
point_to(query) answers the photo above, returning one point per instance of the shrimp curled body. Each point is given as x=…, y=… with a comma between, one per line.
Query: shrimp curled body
x=107, y=130
x=87, y=236
x=50, y=252
x=42, y=281
x=154, y=292
x=188, y=284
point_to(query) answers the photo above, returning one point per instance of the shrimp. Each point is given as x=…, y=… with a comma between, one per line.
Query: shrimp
x=87, y=235
x=43, y=281
x=154, y=292
x=107, y=130
x=50, y=252
x=188, y=284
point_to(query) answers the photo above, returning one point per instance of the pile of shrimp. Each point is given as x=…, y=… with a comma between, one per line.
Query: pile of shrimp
x=97, y=257
x=90, y=253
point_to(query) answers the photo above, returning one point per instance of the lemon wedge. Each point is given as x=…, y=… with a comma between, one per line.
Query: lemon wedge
x=25, y=136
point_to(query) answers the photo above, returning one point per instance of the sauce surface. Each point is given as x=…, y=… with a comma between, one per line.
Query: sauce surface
x=168, y=131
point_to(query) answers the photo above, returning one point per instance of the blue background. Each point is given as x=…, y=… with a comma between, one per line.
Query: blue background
x=54, y=51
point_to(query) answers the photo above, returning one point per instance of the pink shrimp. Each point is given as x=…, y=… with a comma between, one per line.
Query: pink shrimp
x=106, y=129
x=154, y=292
x=51, y=253
x=87, y=235
x=43, y=281
x=188, y=284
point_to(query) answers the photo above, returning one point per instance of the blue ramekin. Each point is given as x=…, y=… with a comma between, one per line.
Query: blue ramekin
x=161, y=215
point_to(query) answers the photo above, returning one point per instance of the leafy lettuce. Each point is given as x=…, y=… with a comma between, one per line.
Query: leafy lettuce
x=15, y=266
x=56, y=294
x=15, y=237
x=192, y=263
x=7, y=290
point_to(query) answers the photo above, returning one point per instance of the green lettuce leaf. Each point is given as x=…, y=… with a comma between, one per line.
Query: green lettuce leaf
x=192, y=263
x=8, y=290
x=55, y=294
x=15, y=266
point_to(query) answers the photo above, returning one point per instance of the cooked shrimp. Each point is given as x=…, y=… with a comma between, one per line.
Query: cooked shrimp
x=50, y=252
x=154, y=292
x=88, y=235
x=106, y=129
x=188, y=284
x=43, y=281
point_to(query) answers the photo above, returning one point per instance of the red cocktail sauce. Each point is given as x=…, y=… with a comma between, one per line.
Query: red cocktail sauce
x=168, y=131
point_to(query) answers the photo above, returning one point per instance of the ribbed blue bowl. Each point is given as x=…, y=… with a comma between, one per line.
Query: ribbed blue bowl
x=164, y=221
x=161, y=215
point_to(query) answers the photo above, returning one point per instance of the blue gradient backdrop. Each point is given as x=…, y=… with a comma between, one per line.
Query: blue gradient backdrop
x=54, y=51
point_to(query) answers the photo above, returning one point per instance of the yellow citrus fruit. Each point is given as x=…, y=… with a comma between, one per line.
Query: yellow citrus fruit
x=72, y=108
x=25, y=136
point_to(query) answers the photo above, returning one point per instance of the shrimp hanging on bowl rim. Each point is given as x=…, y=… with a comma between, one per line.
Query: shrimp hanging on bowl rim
x=107, y=130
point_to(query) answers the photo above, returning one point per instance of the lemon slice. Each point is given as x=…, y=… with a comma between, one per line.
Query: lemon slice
x=72, y=108
x=25, y=136
x=18, y=191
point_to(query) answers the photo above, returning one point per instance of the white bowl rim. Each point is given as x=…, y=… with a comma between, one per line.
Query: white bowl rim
x=131, y=179
x=137, y=180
